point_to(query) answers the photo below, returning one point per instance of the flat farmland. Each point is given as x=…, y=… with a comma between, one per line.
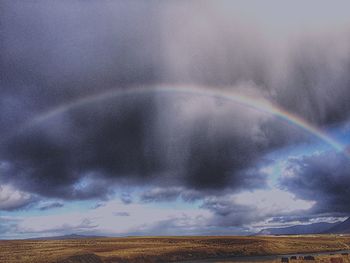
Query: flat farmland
x=171, y=249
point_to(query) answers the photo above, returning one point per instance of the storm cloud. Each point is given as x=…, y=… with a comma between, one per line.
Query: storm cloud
x=51, y=206
x=120, y=142
x=56, y=53
x=323, y=178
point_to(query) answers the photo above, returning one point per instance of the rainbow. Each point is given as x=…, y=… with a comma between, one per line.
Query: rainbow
x=256, y=103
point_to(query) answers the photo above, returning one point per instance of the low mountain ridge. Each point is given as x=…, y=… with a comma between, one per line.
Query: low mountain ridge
x=341, y=228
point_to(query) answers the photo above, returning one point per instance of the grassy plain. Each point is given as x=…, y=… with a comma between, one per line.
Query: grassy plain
x=165, y=249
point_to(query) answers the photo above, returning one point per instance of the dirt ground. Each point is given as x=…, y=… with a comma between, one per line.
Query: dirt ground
x=169, y=249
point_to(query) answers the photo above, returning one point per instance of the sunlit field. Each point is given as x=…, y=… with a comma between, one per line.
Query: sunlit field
x=173, y=249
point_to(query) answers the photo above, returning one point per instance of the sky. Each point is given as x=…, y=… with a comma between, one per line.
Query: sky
x=123, y=118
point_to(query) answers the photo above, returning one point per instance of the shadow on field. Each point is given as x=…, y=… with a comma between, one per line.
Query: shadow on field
x=85, y=258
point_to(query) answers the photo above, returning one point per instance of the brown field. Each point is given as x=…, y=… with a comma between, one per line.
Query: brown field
x=169, y=249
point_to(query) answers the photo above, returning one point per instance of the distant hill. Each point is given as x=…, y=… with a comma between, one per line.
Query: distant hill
x=316, y=228
x=341, y=228
x=65, y=237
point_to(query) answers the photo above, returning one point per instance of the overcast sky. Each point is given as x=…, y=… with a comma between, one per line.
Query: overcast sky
x=172, y=117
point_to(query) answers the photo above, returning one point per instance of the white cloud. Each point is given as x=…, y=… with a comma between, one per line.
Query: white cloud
x=138, y=218
x=272, y=201
x=119, y=218
x=11, y=198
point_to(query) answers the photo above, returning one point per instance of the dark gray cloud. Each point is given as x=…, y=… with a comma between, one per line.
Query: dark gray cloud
x=126, y=198
x=161, y=194
x=63, y=50
x=168, y=194
x=213, y=157
x=228, y=213
x=51, y=206
x=323, y=178
x=51, y=53
x=54, y=53
x=118, y=142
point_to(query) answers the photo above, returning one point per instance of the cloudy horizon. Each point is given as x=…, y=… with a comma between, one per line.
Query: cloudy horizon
x=172, y=117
